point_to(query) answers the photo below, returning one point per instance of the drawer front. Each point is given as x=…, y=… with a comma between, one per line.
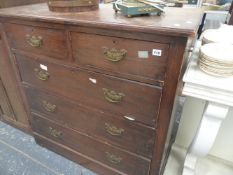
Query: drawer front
x=127, y=57
x=75, y=156
x=38, y=40
x=115, y=158
x=122, y=98
x=122, y=133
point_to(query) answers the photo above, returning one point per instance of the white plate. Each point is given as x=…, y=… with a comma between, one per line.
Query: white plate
x=217, y=52
x=223, y=35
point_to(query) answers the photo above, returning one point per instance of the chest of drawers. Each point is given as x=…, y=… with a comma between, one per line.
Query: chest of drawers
x=100, y=87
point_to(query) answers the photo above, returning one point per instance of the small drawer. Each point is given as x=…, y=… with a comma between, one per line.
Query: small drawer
x=122, y=98
x=104, y=153
x=38, y=40
x=130, y=58
x=105, y=127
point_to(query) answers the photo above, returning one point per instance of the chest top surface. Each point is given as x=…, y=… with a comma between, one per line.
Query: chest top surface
x=176, y=21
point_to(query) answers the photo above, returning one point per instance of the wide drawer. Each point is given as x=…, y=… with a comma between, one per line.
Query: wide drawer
x=121, y=98
x=122, y=133
x=75, y=156
x=38, y=40
x=131, y=58
x=111, y=156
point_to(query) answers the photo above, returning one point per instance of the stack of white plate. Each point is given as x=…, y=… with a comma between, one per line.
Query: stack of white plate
x=217, y=59
x=222, y=35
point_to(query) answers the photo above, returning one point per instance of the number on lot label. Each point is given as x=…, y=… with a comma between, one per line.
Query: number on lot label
x=157, y=52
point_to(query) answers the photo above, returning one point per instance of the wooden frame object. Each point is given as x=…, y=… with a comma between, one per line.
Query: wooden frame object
x=100, y=87
x=73, y=5
x=17, y=115
x=10, y=3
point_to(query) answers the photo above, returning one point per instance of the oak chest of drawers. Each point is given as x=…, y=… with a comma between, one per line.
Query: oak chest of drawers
x=100, y=87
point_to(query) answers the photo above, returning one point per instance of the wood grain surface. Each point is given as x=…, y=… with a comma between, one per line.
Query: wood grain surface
x=80, y=101
x=10, y=3
x=139, y=101
x=175, y=21
x=111, y=156
x=118, y=131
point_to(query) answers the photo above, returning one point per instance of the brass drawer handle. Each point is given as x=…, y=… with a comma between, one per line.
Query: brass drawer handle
x=112, y=96
x=113, y=158
x=113, y=130
x=48, y=106
x=41, y=74
x=114, y=55
x=55, y=133
x=34, y=41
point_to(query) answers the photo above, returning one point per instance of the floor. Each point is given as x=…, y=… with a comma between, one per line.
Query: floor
x=206, y=166
x=20, y=155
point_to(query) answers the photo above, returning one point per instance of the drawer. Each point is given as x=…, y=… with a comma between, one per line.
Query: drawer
x=104, y=153
x=121, y=133
x=130, y=58
x=75, y=156
x=38, y=40
x=121, y=98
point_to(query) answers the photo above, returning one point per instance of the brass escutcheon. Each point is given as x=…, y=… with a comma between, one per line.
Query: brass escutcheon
x=41, y=74
x=113, y=96
x=113, y=158
x=48, y=106
x=114, y=55
x=113, y=130
x=34, y=41
x=55, y=133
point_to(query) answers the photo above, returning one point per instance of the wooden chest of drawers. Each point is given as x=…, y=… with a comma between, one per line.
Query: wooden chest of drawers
x=100, y=87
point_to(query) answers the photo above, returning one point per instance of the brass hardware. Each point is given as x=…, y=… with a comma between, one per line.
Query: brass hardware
x=146, y=9
x=55, y=133
x=113, y=130
x=34, y=41
x=72, y=5
x=113, y=96
x=48, y=106
x=114, y=55
x=41, y=74
x=113, y=158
